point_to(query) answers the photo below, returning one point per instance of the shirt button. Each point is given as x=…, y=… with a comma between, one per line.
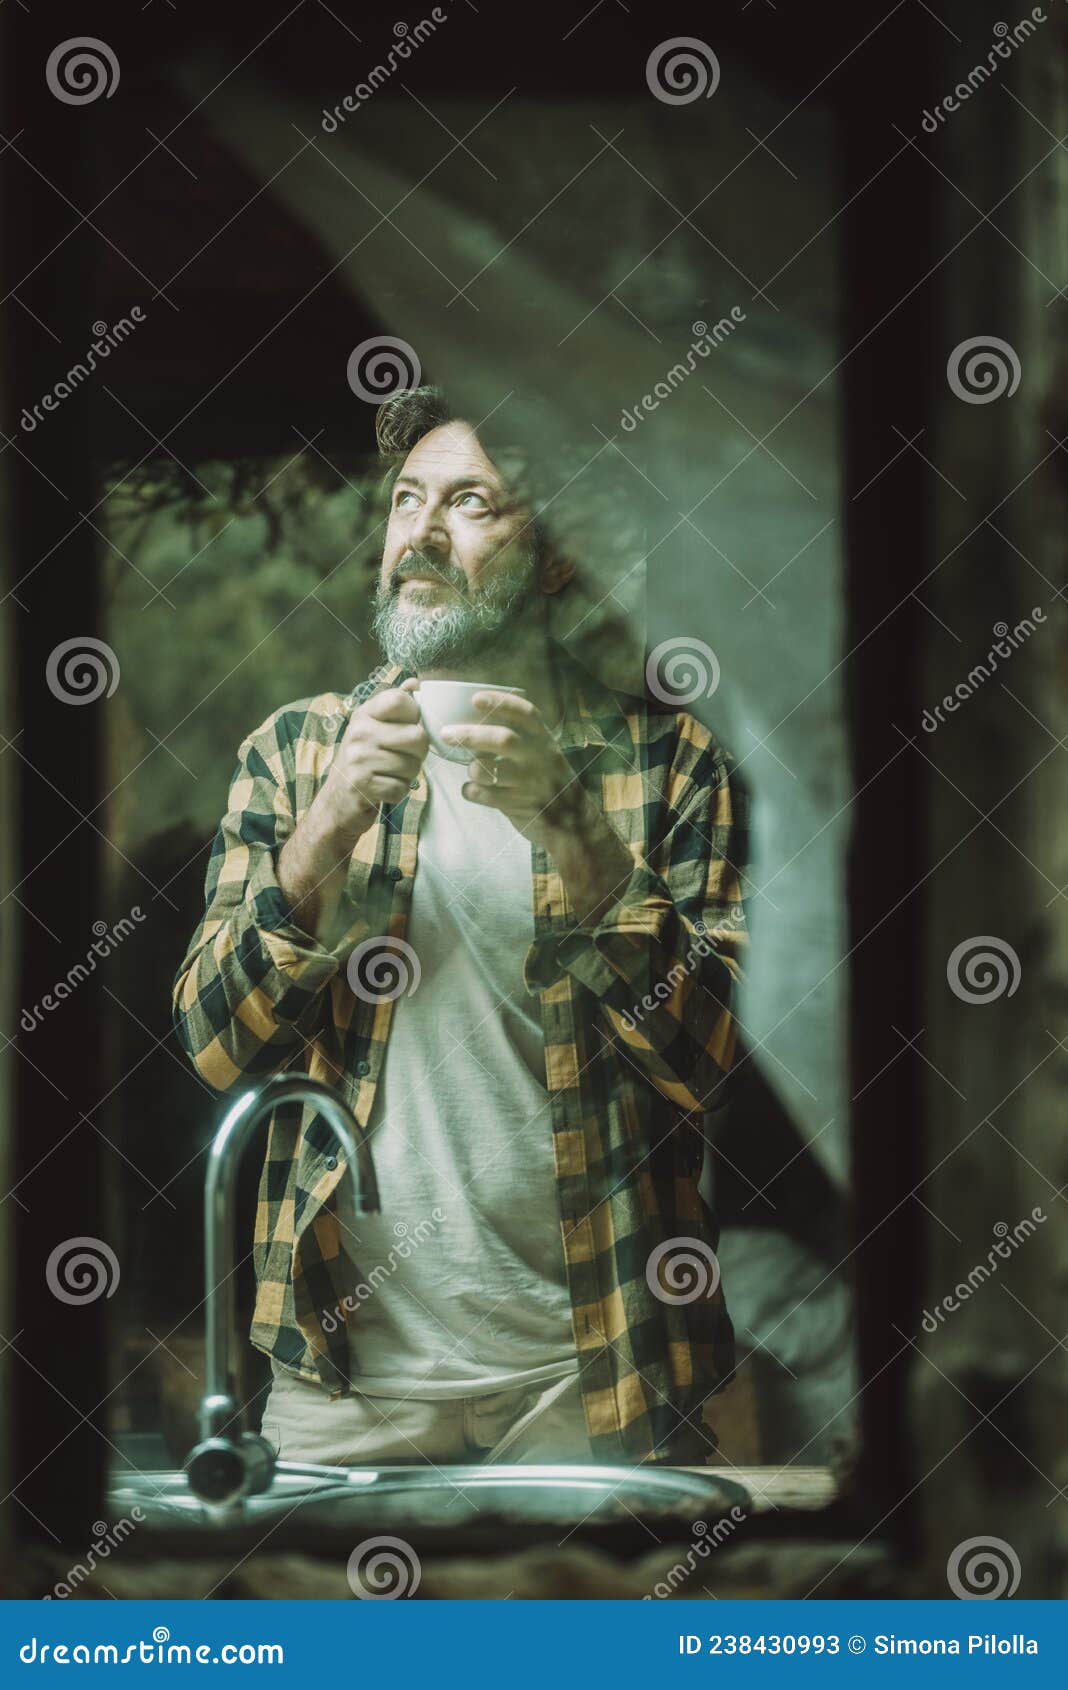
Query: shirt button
x=394, y=874
x=330, y=1163
x=363, y=1068
x=415, y=784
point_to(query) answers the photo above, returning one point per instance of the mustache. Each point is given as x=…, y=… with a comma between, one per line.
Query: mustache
x=417, y=563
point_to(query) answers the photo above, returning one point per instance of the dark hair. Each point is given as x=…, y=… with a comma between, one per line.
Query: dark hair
x=402, y=420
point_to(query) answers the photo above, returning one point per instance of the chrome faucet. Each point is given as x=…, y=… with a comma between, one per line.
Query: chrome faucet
x=231, y=1462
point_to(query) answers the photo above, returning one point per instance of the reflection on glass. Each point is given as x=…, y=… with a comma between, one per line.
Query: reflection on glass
x=525, y=984
x=535, y=905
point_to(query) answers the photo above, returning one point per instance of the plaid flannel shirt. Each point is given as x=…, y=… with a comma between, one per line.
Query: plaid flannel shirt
x=639, y=1037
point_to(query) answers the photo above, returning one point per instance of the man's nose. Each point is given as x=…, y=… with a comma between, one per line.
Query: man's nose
x=427, y=532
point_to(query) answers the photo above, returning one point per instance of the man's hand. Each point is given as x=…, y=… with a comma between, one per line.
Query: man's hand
x=520, y=770
x=381, y=753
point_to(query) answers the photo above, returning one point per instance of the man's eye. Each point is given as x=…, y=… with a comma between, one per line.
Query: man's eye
x=479, y=500
x=401, y=497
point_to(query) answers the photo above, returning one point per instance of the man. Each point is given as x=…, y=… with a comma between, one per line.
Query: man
x=560, y=924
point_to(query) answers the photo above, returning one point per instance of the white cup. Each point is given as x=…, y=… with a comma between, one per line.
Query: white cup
x=447, y=704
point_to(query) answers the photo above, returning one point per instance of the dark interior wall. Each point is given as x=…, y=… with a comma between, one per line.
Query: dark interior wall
x=59, y=1073
x=888, y=245
x=9, y=947
x=989, y=1378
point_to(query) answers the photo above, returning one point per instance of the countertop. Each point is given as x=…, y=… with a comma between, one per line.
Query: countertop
x=780, y=1487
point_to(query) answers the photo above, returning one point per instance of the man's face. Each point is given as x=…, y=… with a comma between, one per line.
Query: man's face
x=458, y=558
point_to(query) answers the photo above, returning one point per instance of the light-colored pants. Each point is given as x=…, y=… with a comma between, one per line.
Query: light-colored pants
x=543, y=1423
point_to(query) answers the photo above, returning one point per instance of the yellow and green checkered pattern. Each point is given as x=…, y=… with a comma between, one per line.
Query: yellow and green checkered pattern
x=639, y=1039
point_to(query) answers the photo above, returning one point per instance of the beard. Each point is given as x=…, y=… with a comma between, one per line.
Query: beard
x=449, y=636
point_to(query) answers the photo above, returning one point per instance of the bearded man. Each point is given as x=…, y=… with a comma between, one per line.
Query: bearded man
x=564, y=922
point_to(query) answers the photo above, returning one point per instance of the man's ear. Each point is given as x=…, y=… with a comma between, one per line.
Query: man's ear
x=555, y=574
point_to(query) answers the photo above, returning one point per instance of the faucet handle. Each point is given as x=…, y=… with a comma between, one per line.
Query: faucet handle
x=222, y=1471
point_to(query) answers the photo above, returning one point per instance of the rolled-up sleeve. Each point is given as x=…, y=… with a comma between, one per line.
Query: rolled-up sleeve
x=250, y=987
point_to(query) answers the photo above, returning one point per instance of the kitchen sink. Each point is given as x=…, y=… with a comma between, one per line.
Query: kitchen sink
x=233, y=1480
x=441, y=1497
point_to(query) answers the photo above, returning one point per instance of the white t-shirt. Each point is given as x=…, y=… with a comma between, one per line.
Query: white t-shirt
x=463, y=1281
